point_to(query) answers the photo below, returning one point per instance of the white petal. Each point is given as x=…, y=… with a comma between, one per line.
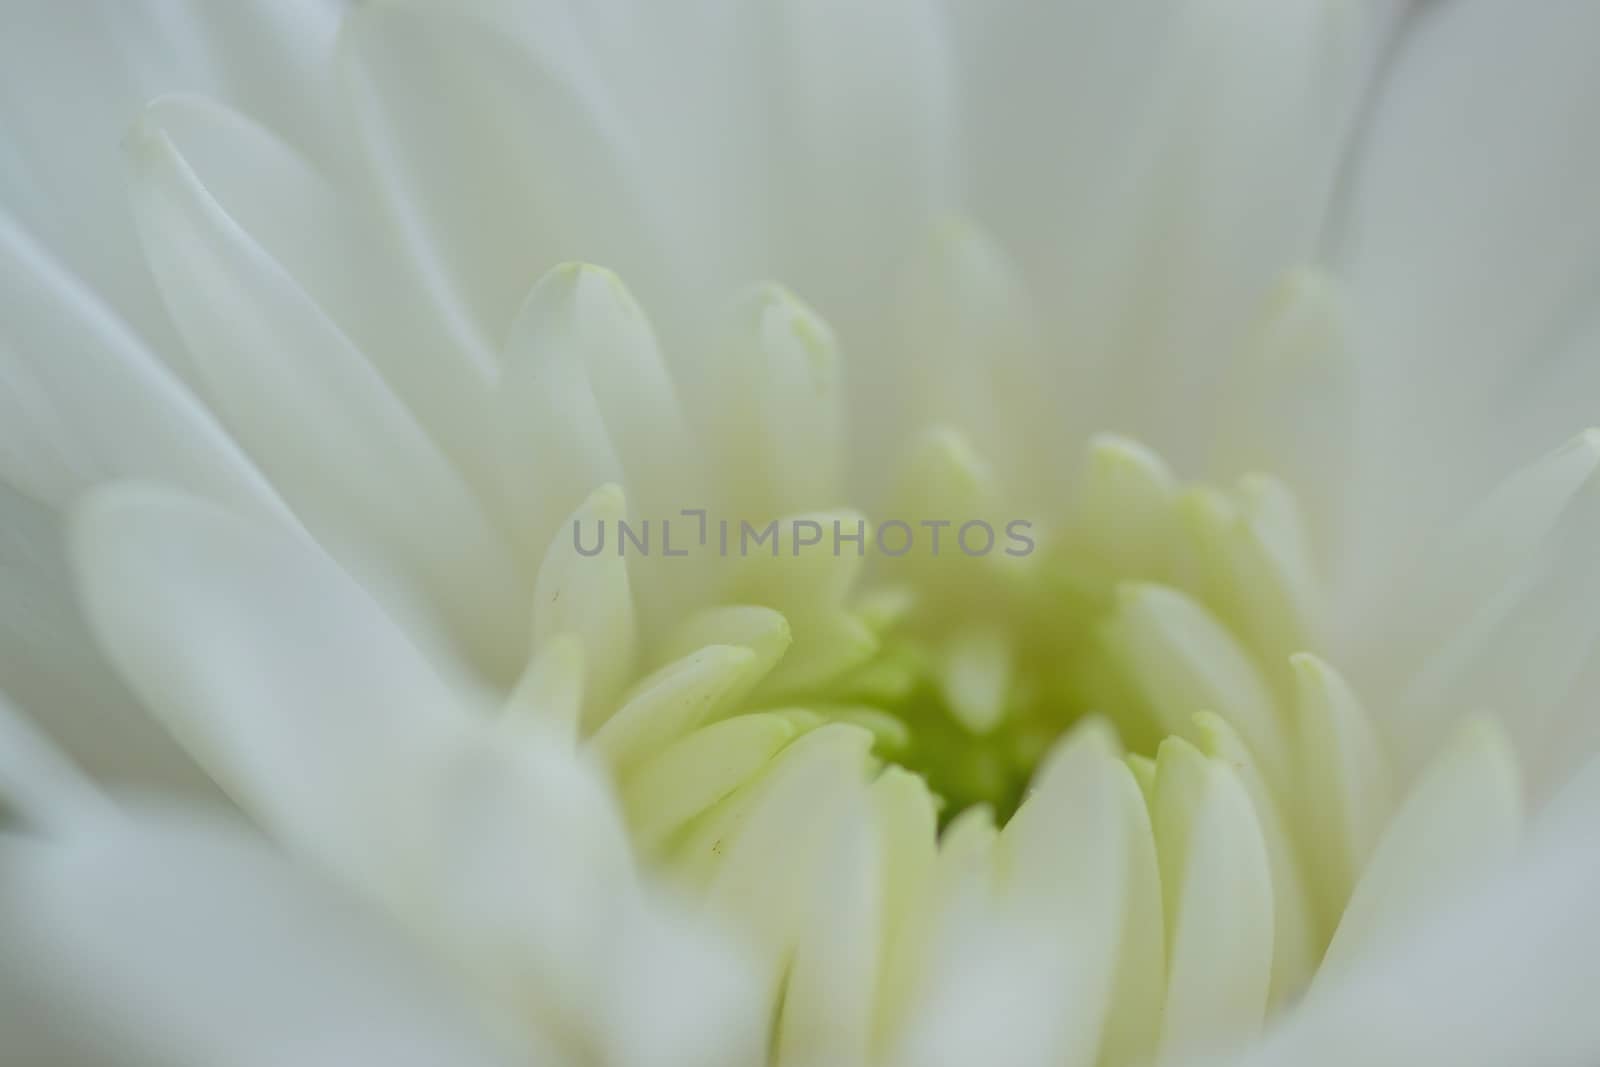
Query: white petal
x=82, y=400
x=1461, y=821
x=1023, y=960
x=513, y=861
x=763, y=856
x=970, y=350
x=346, y=454
x=585, y=377
x=1124, y=513
x=692, y=773
x=548, y=699
x=555, y=448
x=1182, y=661
x=847, y=75
x=72, y=79
x=907, y=814
x=1235, y=161
x=530, y=165
x=1497, y=977
x=1217, y=883
x=1080, y=843
x=1254, y=566
x=1499, y=617
x=315, y=713
x=337, y=252
x=830, y=992
x=54, y=671
x=271, y=667
x=1296, y=942
x=587, y=594
x=1289, y=408
x=39, y=786
x=663, y=706
x=762, y=630
x=1469, y=241
x=773, y=409
x=162, y=941
x=810, y=586
x=1347, y=790
x=683, y=997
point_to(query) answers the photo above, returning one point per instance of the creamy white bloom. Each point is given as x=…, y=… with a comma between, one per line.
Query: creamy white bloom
x=1244, y=733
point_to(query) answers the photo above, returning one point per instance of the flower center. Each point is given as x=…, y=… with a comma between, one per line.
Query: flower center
x=965, y=658
x=822, y=721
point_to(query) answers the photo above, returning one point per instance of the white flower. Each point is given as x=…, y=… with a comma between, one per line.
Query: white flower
x=1223, y=724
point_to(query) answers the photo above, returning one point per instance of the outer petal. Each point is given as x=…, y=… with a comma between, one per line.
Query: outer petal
x=529, y=165
x=268, y=664
x=1026, y=976
x=39, y=787
x=74, y=76
x=50, y=667
x=1499, y=615
x=332, y=242
x=164, y=941
x=1502, y=976
x=347, y=455
x=321, y=719
x=1470, y=241
x=1461, y=822
x=1227, y=153
x=83, y=400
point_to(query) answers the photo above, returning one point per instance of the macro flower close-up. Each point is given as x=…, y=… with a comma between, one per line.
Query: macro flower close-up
x=726, y=533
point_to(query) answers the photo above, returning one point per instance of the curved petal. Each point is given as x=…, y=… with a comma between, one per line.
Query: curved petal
x=53, y=670
x=161, y=940
x=1500, y=616
x=1461, y=822
x=1470, y=240
x=73, y=78
x=330, y=240
x=271, y=667
x=346, y=454
x=501, y=848
x=1228, y=154
x=82, y=400
x=39, y=787
x=530, y=165
x=1021, y=966
x=1501, y=976
x=1217, y=887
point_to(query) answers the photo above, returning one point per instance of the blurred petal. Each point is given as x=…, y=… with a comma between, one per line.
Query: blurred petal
x=1499, y=615
x=313, y=710
x=1234, y=157
x=1217, y=886
x=162, y=941
x=347, y=455
x=271, y=667
x=334, y=246
x=1501, y=976
x=1470, y=241
x=1183, y=661
x=39, y=786
x=1347, y=795
x=1461, y=822
x=1026, y=977
x=531, y=165
x=53, y=671
x=84, y=401
x=591, y=599
x=73, y=77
